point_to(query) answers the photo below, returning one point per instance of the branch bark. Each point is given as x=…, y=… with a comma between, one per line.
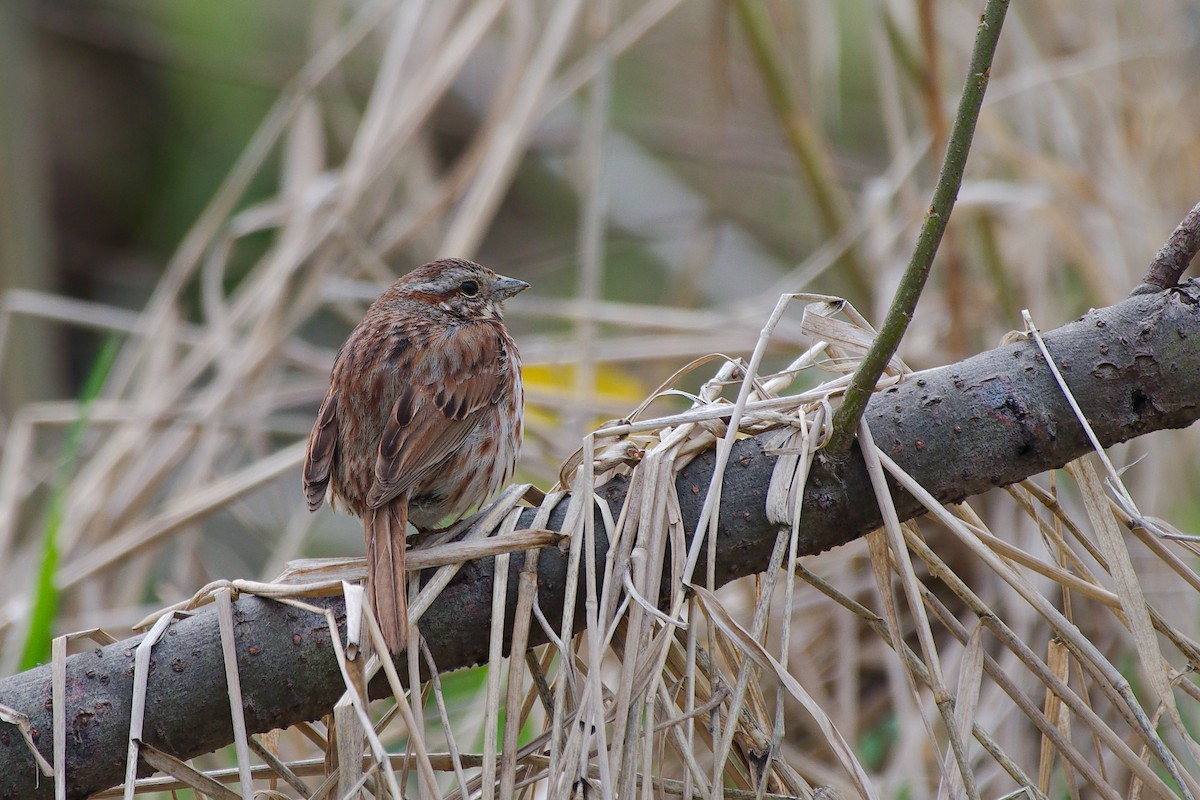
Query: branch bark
x=960, y=430
x=1173, y=258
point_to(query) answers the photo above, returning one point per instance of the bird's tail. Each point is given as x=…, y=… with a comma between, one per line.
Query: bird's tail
x=384, y=529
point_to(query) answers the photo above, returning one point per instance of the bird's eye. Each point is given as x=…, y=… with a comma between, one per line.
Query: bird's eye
x=469, y=288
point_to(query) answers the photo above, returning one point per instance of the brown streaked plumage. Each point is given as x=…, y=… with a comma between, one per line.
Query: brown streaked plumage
x=422, y=420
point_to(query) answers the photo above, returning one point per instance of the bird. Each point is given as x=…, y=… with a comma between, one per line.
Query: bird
x=423, y=418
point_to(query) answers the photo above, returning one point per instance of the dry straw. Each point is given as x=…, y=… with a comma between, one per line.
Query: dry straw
x=618, y=706
x=1039, y=640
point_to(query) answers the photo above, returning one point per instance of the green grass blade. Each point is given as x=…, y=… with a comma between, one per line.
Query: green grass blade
x=45, y=596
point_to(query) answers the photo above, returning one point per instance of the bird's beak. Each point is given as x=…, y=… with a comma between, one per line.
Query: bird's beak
x=505, y=288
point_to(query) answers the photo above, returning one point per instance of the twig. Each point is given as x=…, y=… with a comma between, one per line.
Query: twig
x=1173, y=258
x=845, y=422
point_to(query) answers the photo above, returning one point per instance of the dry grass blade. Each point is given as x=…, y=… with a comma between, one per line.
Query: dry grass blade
x=1128, y=586
x=966, y=703
x=233, y=684
x=1028, y=659
x=59, y=698
x=578, y=512
x=348, y=737
x=526, y=599
x=1133, y=601
x=491, y=520
x=500, y=159
x=356, y=700
x=278, y=767
x=529, y=539
x=141, y=673
x=900, y=556
x=440, y=761
x=21, y=723
x=187, y=776
x=746, y=644
x=187, y=510
x=497, y=661
x=355, y=594
x=423, y=763
x=1080, y=646
x=443, y=715
x=1057, y=659
x=706, y=526
x=851, y=339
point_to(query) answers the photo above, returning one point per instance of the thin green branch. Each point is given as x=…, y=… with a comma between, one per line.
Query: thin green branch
x=904, y=304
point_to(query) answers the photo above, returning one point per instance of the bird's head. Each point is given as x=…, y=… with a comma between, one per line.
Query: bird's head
x=460, y=288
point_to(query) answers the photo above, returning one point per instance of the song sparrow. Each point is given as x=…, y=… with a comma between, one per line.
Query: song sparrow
x=422, y=420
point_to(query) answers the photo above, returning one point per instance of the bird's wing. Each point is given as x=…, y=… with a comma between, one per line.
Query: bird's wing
x=458, y=380
x=321, y=444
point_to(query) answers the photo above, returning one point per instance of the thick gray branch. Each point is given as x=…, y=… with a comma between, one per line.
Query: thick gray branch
x=962, y=429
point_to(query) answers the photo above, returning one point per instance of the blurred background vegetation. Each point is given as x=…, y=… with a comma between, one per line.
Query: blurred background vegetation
x=209, y=191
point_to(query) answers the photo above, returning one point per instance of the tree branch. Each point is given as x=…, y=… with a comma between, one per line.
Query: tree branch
x=960, y=430
x=929, y=237
x=1173, y=258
